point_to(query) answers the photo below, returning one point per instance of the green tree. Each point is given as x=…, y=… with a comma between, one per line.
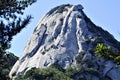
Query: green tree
x=50, y=73
x=103, y=50
x=11, y=22
x=9, y=60
x=107, y=53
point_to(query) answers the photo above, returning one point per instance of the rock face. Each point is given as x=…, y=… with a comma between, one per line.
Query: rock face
x=63, y=34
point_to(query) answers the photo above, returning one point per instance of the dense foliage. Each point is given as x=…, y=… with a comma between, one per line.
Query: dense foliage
x=9, y=60
x=107, y=53
x=57, y=73
x=81, y=71
x=50, y=73
x=11, y=23
x=103, y=50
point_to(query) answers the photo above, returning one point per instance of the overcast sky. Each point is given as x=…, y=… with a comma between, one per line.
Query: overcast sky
x=105, y=13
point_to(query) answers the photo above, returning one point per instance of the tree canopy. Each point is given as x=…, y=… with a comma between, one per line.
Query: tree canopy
x=11, y=23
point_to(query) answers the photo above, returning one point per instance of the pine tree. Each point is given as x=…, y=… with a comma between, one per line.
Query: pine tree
x=11, y=22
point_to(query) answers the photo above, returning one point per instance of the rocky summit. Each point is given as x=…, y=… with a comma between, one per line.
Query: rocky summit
x=63, y=36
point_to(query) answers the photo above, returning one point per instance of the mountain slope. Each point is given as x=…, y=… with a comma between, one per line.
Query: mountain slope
x=63, y=34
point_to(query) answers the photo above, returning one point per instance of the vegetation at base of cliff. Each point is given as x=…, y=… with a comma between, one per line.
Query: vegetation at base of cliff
x=50, y=73
x=56, y=72
x=81, y=71
x=8, y=61
x=107, y=53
